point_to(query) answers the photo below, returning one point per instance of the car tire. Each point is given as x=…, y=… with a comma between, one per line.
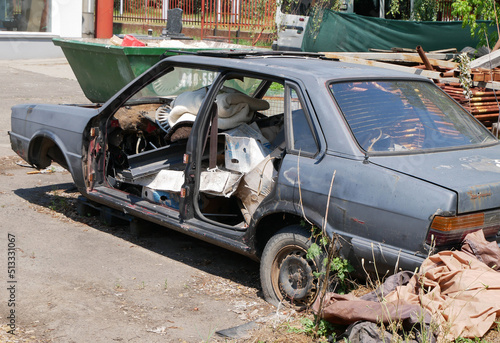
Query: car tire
x=286, y=274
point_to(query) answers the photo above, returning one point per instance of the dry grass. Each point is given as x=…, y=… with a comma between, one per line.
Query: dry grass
x=283, y=331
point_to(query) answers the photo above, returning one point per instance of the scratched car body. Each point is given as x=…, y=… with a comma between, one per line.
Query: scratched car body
x=412, y=168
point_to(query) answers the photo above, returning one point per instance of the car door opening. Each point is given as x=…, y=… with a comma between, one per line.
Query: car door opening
x=146, y=140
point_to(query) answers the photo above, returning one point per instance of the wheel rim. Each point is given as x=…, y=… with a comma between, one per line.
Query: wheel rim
x=292, y=277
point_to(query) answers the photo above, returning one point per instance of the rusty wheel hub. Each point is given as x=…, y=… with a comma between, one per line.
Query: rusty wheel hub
x=296, y=279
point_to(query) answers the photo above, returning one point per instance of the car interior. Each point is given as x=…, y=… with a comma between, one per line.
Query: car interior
x=147, y=137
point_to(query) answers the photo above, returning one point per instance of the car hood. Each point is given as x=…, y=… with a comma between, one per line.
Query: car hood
x=474, y=174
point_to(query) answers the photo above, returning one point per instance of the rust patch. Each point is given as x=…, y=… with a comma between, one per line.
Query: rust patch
x=357, y=221
x=133, y=118
x=478, y=195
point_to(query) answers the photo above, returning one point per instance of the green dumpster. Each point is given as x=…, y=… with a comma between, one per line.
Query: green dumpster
x=102, y=69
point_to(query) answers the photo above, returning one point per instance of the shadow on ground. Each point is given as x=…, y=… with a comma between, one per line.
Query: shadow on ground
x=60, y=200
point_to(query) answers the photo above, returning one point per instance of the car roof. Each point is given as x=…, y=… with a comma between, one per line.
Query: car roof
x=294, y=66
x=312, y=71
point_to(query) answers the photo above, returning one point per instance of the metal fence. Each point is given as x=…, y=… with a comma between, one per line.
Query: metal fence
x=444, y=11
x=209, y=14
x=234, y=15
x=145, y=11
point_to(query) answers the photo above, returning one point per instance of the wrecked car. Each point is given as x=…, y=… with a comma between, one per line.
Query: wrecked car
x=239, y=149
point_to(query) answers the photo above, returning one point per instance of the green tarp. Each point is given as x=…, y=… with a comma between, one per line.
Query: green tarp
x=351, y=32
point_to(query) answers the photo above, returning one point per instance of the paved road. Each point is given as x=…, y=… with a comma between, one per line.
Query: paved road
x=34, y=81
x=81, y=281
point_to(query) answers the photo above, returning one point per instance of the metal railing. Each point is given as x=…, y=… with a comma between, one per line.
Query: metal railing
x=146, y=11
x=224, y=14
x=444, y=11
x=235, y=15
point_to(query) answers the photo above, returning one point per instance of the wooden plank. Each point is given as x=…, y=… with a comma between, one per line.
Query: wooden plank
x=394, y=56
x=484, y=61
x=430, y=74
x=349, y=59
x=433, y=61
x=449, y=50
x=403, y=50
x=379, y=50
x=490, y=85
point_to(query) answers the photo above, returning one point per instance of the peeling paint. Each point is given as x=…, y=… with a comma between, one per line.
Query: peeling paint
x=443, y=167
x=481, y=163
x=291, y=175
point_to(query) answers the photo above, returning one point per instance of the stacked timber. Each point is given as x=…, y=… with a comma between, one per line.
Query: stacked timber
x=484, y=103
x=477, y=74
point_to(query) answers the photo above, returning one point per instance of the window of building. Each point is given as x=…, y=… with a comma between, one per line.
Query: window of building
x=25, y=15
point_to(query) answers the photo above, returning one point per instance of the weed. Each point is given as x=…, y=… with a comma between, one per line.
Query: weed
x=469, y=340
x=58, y=203
x=210, y=334
x=308, y=328
x=332, y=262
x=424, y=332
x=465, y=77
x=339, y=266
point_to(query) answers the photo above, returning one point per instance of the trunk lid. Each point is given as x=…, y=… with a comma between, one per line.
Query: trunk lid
x=474, y=174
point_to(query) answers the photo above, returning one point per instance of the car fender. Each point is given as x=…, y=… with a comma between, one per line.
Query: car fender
x=37, y=154
x=273, y=214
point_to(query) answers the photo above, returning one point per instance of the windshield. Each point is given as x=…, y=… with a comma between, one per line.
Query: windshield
x=181, y=80
x=177, y=81
x=400, y=116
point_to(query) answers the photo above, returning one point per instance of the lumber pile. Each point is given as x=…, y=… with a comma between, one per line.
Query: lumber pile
x=483, y=105
x=478, y=74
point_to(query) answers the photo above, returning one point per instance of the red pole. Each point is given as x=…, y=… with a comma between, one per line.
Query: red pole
x=104, y=19
x=202, y=18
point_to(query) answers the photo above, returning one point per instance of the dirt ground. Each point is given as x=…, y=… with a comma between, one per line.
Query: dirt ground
x=81, y=281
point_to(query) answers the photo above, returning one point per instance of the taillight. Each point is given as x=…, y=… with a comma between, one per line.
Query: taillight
x=452, y=230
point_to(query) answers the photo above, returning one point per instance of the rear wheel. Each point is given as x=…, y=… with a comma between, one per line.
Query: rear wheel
x=286, y=273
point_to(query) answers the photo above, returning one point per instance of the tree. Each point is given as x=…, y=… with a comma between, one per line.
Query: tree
x=473, y=10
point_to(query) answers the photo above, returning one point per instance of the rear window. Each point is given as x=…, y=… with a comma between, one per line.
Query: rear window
x=399, y=116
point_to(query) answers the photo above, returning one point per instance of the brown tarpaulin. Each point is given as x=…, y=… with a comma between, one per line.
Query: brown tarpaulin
x=461, y=293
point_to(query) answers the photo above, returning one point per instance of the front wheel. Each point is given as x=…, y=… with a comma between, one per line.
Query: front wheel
x=286, y=273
